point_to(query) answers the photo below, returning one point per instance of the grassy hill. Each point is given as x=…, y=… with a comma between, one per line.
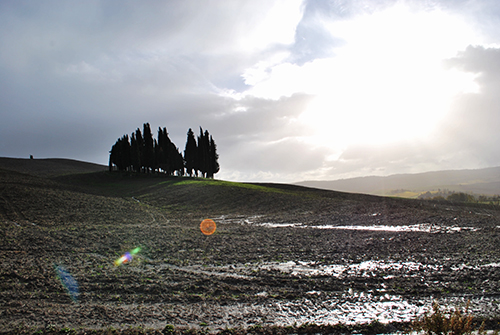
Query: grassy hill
x=185, y=195
x=48, y=182
x=199, y=195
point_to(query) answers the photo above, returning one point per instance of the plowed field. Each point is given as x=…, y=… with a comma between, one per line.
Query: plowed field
x=281, y=254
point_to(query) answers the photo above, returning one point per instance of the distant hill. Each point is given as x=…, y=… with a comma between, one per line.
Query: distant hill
x=49, y=167
x=480, y=181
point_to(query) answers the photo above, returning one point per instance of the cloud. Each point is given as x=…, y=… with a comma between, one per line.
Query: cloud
x=261, y=137
x=107, y=67
x=473, y=126
x=464, y=139
x=290, y=90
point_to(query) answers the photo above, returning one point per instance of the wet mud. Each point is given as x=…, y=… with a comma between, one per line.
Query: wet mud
x=382, y=260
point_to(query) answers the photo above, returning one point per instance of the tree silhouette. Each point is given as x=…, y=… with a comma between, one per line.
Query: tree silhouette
x=168, y=156
x=160, y=151
x=203, y=151
x=143, y=153
x=149, y=157
x=213, y=161
x=190, y=153
x=120, y=154
x=135, y=150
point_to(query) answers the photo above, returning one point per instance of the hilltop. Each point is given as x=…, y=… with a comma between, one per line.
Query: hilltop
x=281, y=255
x=49, y=167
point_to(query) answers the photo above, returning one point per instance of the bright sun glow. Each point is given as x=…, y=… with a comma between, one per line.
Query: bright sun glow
x=386, y=83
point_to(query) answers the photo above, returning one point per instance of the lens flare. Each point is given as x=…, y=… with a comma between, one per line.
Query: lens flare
x=127, y=257
x=69, y=283
x=208, y=226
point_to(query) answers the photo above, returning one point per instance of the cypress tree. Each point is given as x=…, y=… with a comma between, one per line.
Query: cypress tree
x=125, y=153
x=113, y=156
x=213, y=159
x=140, y=149
x=206, y=153
x=199, y=155
x=190, y=153
x=177, y=161
x=148, y=158
x=171, y=150
x=160, y=151
x=156, y=156
x=120, y=154
x=135, y=154
x=202, y=157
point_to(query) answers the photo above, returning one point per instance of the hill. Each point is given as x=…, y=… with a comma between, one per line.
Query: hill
x=42, y=183
x=480, y=181
x=49, y=167
x=281, y=255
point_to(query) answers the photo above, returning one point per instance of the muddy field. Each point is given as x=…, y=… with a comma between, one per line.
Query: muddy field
x=281, y=255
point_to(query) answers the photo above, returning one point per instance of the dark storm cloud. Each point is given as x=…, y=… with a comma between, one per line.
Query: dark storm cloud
x=75, y=76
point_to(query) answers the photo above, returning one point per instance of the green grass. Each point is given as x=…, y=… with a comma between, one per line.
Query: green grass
x=201, y=182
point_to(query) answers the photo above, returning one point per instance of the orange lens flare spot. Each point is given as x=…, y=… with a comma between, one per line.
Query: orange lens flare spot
x=208, y=226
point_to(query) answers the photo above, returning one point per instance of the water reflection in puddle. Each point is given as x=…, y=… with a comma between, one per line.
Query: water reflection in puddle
x=358, y=308
x=362, y=308
x=349, y=306
x=256, y=220
x=424, y=227
x=363, y=269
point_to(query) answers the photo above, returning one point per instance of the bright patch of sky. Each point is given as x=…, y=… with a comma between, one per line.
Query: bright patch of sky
x=385, y=82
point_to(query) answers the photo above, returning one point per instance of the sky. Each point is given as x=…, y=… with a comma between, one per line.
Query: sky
x=290, y=90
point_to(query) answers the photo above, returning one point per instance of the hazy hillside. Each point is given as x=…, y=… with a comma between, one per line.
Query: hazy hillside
x=49, y=167
x=480, y=181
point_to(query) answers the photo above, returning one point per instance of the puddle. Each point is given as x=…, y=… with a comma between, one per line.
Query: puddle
x=355, y=309
x=280, y=225
x=363, y=269
x=424, y=227
x=365, y=308
x=386, y=269
x=239, y=219
x=349, y=306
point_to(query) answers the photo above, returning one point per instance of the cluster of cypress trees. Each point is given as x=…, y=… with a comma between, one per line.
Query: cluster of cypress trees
x=142, y=153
